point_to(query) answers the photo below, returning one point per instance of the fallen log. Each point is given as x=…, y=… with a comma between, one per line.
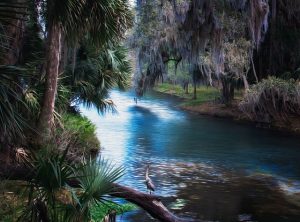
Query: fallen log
x=150, y=203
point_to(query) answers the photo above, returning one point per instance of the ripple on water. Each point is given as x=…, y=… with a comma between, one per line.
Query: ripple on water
x=204, y=167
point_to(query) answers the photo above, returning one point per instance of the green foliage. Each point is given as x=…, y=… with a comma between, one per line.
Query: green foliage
x=182, y=31
x=237, y=56
x=97, y=72
x=101, y=210
x=12, y=201
x=11, y=102
x=102, y=20
x=180, y=75
x=101, y=62
x=272, y=98
x=81, y=130
x=204, y=93
x=51, y=197
x=96, y=179
x=291, y=75
x=95, y=27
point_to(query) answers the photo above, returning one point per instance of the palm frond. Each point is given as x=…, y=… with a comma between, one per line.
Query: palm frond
x=95, y=74
x=12, y=123
x=96, y=179
x=102, y=21
x=50, y=194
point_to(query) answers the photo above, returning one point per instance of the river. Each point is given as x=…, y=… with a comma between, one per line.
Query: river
x=206, y=168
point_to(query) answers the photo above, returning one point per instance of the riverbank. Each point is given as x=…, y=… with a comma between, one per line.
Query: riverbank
x=64, y=156
x=207, y=103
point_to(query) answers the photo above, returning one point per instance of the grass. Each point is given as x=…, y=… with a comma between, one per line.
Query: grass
x=12, y=200
x=204, y=93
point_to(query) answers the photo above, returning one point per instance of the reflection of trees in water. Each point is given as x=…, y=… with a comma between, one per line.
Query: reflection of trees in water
x=257, y=196
x=210, y=194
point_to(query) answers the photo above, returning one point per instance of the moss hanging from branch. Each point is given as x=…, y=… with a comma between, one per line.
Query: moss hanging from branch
x=190, y=29
x=258, y=23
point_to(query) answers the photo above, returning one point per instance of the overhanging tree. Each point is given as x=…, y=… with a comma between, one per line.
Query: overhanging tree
x=102, y=21
x=191, y=28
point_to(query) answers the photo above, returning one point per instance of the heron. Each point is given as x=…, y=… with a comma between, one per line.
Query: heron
x=148, y=181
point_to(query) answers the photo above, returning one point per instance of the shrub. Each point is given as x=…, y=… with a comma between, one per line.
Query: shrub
x=272, y=99
x=82, y=133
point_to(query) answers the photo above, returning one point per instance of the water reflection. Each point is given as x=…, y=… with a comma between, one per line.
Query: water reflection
x=207, y=168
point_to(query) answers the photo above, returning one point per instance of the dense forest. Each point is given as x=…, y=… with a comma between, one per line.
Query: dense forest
x=59, y=55
x=226, y=44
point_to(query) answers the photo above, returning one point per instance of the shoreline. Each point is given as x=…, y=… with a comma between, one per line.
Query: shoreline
x=232, y=112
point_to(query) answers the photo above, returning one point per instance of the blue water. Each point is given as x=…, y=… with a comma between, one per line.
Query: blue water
x=192, y=156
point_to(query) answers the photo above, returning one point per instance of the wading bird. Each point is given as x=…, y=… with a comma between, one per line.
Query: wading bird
x=148, y=181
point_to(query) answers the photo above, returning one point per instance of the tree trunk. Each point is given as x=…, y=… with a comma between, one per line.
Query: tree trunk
x=195, y=91
x=227, y=90
x=12, y=44
x=246, y=84
x=186, y=86
x=150, y=203
x=272, y=34
x=63, y=54
x=45, y=121
x=253, y=68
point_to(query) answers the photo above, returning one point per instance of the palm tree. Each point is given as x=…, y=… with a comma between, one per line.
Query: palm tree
x=101, y=21
x=11, y=103
x=94, y=74
x=15, y=93
x=52, y=196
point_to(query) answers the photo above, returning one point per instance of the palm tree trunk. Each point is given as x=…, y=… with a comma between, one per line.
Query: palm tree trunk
x=52, y=68
x=15, y=36
x=63, y=53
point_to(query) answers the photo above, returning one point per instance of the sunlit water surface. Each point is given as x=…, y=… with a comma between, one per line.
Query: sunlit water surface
x=205, y=168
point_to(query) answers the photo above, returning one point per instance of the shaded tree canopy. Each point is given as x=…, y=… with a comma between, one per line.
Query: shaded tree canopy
x=246, y=39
